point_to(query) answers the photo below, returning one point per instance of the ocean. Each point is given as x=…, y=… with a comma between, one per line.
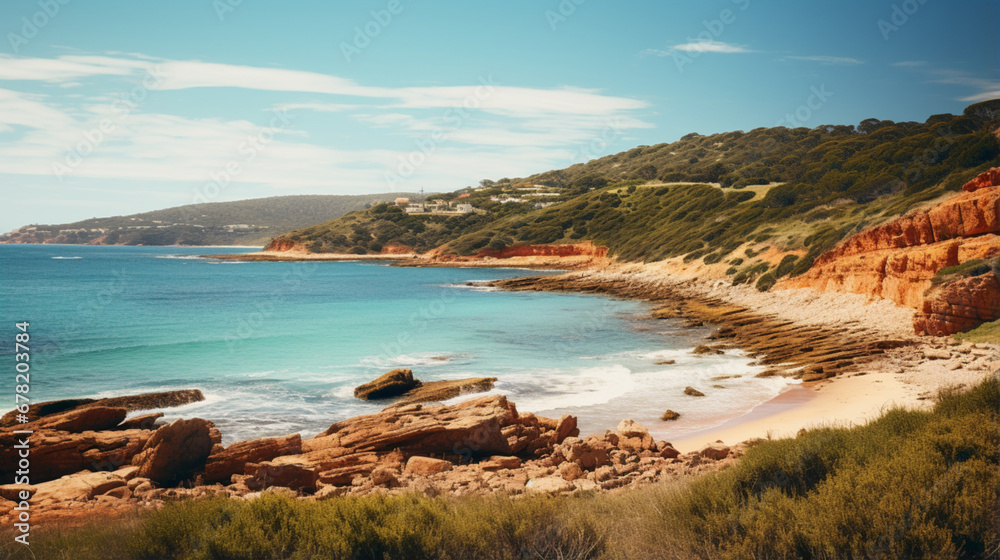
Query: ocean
x=278, y=347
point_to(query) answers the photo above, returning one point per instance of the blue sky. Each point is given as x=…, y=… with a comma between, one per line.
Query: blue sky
x=112, y=107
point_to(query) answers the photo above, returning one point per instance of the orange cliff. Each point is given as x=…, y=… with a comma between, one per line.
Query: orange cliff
x=283, y=244
x=897, y=260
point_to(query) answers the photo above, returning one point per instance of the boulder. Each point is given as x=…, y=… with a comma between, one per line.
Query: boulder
x=287, y=475
x=716, y=451
x=550, y=485
x=703, y=350
x=589, y=453
x=500, y=462
x=175, y=452
x=80, y=486
x=634, y=437
x=221, y=466
x=570, y=471
x=670, y=415
x=692, y=392
x=58, y=453
x=425, y=466
x=431, y=391
x=389, y=385
x=470, y=428
x=566, y=428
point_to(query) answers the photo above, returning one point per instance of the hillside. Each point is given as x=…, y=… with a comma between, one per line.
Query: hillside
x=719, y=198
x=244, y=222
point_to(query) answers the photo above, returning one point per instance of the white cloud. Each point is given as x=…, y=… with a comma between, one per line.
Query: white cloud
x=833, y=60
x=488, y=129
x=702, y=47
x=64, y=68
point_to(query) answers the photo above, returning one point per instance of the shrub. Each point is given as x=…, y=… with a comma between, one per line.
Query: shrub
x=766, y=282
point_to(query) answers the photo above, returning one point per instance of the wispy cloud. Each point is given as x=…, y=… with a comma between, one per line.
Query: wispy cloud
x=830, y=60
x=514, y=129
x=910, y=63
x=988, y=88
x=699, y=47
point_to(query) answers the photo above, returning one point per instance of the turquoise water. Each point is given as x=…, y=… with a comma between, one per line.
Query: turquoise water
x=277, y=348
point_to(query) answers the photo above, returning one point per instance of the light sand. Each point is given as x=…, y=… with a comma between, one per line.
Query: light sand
x=907, y=377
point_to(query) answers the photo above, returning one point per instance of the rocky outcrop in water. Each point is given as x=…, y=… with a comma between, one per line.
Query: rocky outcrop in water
x=401, y=385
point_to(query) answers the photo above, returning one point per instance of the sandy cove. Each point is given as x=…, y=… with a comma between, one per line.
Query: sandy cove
x=856, y=357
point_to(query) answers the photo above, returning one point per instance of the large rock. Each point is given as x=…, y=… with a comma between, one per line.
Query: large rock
x=288, y=475
x=175, y=452
x=221, y=466
x=426, y=466
x=389, y=385
x=80, y=420
x=432, y=391
x=36, y=411
x=78, y=487
x=57, y=453
x=130, y=403
x=468, y=428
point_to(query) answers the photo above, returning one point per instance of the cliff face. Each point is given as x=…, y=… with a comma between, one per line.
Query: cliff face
x=898, y=260
x=959, y=306
x=281, y=244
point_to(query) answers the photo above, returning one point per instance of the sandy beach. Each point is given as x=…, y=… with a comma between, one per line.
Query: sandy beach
x=908, y=373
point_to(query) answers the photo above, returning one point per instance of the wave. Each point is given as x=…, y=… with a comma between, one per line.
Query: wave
x=541, y=391
x=183, y=257
x=422, y=359
x=474, y=285
x=66, y=258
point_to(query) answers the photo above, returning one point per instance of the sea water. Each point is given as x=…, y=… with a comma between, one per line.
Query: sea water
x=278, y=347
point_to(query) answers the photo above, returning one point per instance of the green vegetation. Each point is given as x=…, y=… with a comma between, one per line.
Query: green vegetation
x=257, y=221
x=968, y=269
x=987, y=333
x=911, y=484
x=707, y=197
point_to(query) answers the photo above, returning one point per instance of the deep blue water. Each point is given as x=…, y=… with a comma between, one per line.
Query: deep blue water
x=278, y=347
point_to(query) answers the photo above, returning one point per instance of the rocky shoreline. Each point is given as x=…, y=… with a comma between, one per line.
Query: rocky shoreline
x=88, y=459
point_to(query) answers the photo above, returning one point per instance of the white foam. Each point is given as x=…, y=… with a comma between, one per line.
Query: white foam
x=67, y=258
x=421, y=359
x=546, y=390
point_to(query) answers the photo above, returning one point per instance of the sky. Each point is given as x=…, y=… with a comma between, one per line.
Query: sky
x=114, y=107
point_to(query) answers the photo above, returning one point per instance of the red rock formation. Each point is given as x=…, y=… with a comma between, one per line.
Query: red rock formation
x=232, y=460
x=897, y=260
x=959, y=305
x=174, y=452
x=281, y=244
x=989, y=179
